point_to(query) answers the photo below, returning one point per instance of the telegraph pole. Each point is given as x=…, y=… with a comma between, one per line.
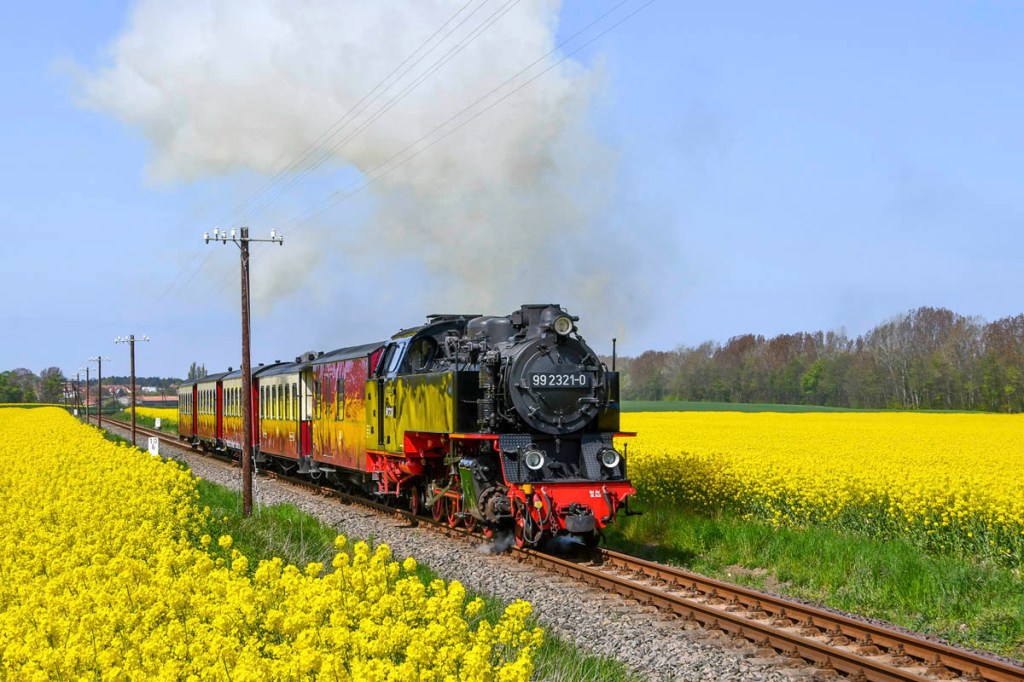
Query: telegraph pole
x=242, y=239
x=99, y=389
x=86, y=370
x=130, y=340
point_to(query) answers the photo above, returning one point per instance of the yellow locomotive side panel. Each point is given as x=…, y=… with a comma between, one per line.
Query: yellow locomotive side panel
x=417, y=402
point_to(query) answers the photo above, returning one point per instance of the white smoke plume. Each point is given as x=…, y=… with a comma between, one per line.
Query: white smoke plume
x=497, y=213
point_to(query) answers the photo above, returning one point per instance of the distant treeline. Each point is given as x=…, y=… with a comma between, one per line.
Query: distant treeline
x=929, y=358
x=165, y=383
x=25, y=386
x=22, y=385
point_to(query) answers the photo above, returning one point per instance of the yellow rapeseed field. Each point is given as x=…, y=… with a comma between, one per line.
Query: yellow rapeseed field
x=167, y=415
x=107, y=573
x=948, y=481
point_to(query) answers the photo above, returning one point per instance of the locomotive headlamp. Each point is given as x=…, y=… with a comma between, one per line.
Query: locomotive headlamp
x=562, y=325
x=534, y=459
x=610, y=458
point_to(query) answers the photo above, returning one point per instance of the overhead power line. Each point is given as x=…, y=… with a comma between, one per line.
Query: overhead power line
x=358, y=186
x=320, y=140
x=354, y=188
x=326, y=154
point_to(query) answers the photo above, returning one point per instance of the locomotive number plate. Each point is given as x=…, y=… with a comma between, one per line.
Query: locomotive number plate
x=553, y=380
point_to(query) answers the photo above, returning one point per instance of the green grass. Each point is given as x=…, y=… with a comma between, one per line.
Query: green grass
x=964, y=601
x=298, y=538
x=148, y=422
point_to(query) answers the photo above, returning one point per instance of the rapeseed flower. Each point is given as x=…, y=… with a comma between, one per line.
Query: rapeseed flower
x=949, y=482
x=109, y=571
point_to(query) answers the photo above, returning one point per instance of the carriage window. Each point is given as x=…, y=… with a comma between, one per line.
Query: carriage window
x=295, y=401
x=263, y=402
x=317, y=397
x=340, y=398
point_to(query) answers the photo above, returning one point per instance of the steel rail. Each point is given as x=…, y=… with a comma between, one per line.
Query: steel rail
x=866, y=636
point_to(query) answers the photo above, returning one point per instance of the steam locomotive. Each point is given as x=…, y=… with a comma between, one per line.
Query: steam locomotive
x=501, y=421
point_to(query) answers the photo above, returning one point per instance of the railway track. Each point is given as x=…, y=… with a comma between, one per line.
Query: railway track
x=824, y=644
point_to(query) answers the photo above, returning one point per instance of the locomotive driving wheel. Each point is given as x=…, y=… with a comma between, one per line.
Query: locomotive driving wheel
x=437, y=509
x=453, y=506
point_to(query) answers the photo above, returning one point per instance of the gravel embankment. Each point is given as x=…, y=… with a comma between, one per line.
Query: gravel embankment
x=604, y=624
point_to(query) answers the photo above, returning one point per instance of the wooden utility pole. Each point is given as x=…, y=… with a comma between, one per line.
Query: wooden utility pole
x=246, y=380
x=99, y=389
x=86, y=368
x=242, y=240
x=130, y=340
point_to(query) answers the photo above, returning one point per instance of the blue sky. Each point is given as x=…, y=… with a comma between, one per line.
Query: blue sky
x=772, y=168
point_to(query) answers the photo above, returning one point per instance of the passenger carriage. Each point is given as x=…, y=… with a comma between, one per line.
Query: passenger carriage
x=187, y=410
x=209, y=412
x=283, y=405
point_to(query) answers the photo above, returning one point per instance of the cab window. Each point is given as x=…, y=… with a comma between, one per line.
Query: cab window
x=420, y=355
x=392, y=359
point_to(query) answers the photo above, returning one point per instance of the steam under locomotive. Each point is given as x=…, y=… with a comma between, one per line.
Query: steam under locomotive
x=503, y=421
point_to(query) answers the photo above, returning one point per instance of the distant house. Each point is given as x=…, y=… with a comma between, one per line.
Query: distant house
x=169, y=400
